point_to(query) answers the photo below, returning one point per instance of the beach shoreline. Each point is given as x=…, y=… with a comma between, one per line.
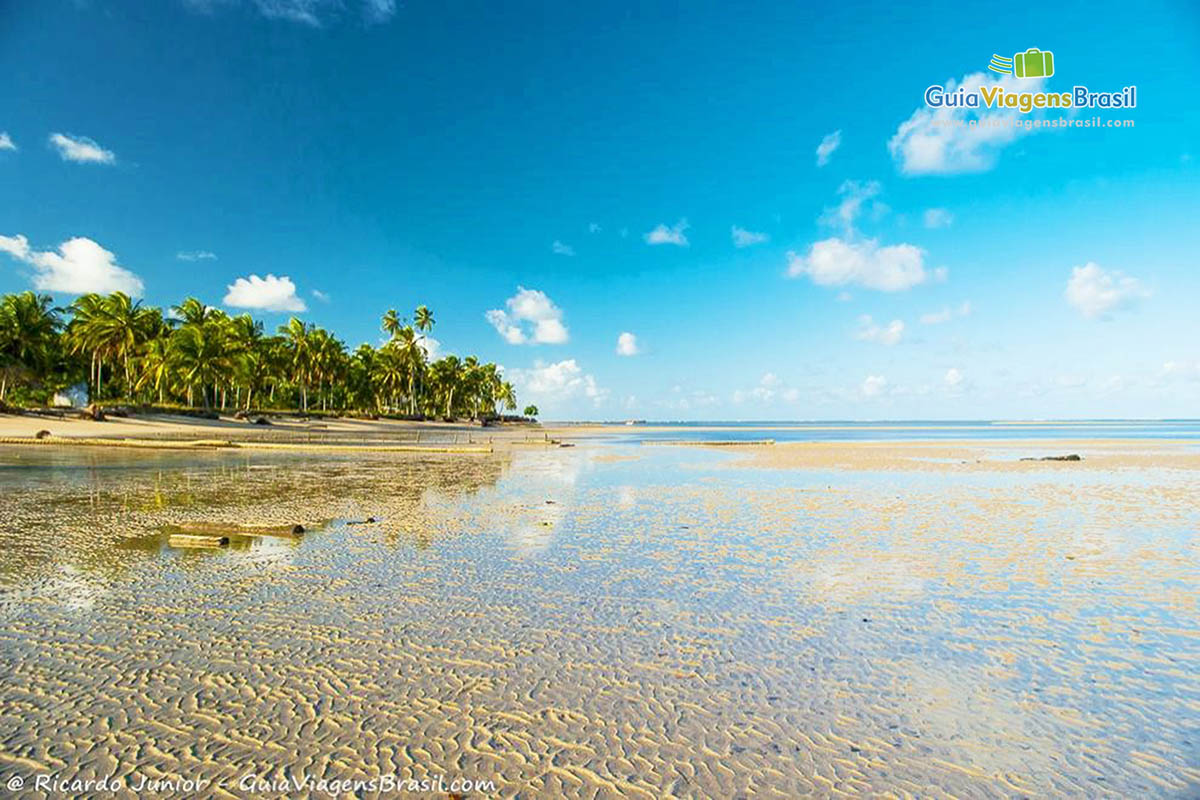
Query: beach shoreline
x=173, y=430
x=315, y=436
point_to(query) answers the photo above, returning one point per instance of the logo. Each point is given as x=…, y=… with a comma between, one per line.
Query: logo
x=1033, y=63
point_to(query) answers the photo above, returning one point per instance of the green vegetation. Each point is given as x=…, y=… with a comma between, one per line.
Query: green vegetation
x=199, y=356
x=531, y=411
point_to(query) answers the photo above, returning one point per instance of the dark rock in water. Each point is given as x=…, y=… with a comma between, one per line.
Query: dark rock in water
x=297, y=529
x=42, y=434
x=1071, y=457
x=261, y=421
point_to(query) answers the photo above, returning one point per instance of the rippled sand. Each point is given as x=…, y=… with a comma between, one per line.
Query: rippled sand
x=614, y=620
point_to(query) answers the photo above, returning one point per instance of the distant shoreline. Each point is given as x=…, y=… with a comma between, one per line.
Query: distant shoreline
x=332, y=434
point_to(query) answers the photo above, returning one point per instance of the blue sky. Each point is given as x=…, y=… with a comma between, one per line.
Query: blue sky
x=385, y=155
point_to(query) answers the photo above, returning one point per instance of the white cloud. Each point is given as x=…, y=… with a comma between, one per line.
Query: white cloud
x=841, y=262
x=825, y=150
x=953, y=378
x=874, y=385
x=931, y=142
x=946, y=314
x=769, y=385
x=6, y=142
x=745, y=238
x=195, y=255
x=562, y=249
x=1181, y=369
x=938, y=218
x=379, y=10
x=308, y=12
x=511, y=332
x=318, y=294
x=679, y=400
x=855, y=195
x=673, y=235
x=16, y=246
x=81, y=149
x=556, y=382
x=627, y=344
x=594, y=227
x=531, y=318
x=886, y=335
x=80, y=266
x=431, y=346
x=1095, y=291
x=852, y=259
x=269, y=294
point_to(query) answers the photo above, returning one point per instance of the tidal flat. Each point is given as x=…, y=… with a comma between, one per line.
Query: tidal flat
x=612, y=620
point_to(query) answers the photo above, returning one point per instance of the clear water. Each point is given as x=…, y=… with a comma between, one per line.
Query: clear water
x=902, y=430
x=607, y=620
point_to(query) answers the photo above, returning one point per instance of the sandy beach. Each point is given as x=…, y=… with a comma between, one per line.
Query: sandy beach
x=923, y=618
x=282, y=427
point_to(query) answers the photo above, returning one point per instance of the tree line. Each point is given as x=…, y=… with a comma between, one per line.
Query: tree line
x=199, y=356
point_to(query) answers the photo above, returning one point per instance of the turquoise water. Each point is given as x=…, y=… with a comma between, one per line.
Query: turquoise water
x=911, y=430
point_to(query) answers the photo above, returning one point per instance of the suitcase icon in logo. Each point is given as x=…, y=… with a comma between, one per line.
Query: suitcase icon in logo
x=1033, y=63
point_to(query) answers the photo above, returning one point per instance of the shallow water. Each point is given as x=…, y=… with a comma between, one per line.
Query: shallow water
x=606, y=620
x=908, y=431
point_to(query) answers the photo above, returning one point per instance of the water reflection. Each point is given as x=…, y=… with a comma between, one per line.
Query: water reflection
x=102, y=513
x=608, y=621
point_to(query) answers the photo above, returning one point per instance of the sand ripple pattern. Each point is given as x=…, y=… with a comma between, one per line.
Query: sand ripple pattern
x=606, y=621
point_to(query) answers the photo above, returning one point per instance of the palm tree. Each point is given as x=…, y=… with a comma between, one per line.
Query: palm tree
x=507, y=396
x=126, y=326
x=326, y=362
x=296, y=334
x=360, y=390
x=530, y=411
x=423, y=318
x=156, y=368
x=203, y=348
x=447, y=375
x=389, y=372
x=193, y=311
x=412, y=356
x=202, y=357
x=391, y=323
x=82, y=336
x=29, y=325
x=246, y=338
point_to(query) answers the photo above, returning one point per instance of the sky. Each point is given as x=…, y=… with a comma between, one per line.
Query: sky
x=655, y=210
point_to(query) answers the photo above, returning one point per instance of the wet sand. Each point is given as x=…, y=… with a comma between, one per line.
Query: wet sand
x=613, y=620
x=168, y=427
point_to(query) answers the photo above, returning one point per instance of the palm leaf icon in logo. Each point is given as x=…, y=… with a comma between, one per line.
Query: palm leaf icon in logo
x=1001, y=64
